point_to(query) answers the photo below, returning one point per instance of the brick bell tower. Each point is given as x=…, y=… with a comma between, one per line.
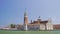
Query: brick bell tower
x=25, y=20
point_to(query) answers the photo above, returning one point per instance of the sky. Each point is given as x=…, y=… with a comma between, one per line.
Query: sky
x=12, y=11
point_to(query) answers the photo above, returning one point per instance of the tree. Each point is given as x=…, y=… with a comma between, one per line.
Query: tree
x=12, y=25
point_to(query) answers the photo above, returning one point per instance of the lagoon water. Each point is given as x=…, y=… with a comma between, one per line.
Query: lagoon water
x=30, y=32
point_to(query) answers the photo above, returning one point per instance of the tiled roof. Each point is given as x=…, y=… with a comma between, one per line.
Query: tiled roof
x=36, y=22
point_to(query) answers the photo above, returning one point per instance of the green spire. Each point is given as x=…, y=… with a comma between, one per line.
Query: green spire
x=25, y=13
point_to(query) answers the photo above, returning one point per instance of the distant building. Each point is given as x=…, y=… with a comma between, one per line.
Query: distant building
x=56, y=26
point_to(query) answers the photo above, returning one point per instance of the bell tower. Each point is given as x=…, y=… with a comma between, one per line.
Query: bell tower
x=25, y=17
x=25, y=20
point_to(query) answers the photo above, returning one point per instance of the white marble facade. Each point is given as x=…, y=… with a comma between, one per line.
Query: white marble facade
x=48, y=26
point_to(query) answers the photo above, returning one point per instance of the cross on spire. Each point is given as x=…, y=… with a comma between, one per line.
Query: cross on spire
x=39, y=17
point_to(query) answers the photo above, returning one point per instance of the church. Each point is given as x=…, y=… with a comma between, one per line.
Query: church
x=35, y=25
